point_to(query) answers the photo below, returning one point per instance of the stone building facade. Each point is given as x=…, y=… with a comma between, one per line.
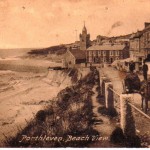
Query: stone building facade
x=145, y=41
x=140, y=44
x=136, y=53
x=107, y=53
x=74, y=58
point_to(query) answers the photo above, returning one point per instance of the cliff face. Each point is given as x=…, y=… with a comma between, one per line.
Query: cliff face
x=23, y=94
x=69, y=116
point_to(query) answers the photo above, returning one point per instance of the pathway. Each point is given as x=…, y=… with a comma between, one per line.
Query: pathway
x=117, y=78
x=102, y=123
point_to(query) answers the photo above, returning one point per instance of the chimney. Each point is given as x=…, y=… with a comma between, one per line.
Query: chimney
x=147, y=24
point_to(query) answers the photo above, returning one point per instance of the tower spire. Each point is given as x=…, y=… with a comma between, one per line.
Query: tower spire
x=84, y=28
x=84, y=38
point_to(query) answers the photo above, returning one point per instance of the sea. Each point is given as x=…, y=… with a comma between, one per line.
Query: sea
x=13, y=53
x=10, y=59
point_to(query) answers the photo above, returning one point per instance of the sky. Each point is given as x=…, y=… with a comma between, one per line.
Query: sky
x=43, y=23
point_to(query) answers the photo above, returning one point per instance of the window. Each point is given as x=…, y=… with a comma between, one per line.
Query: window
x=114, y=53
x=104, y=59
x=104, y=53
x=117, y=53
x=96, y=53
x=111, y=53
x=88, y=53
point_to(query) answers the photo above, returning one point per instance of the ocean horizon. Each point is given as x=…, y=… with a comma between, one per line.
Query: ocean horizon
x=14, y=52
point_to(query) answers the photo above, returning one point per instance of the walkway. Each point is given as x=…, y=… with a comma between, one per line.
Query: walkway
x=117, y=78
x=102, y=123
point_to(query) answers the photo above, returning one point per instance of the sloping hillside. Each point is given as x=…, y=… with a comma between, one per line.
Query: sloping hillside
x=59, y=50
x=23, y=94
x=53, y=53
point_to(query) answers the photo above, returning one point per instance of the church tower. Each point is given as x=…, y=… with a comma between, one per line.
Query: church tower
x=84, y=39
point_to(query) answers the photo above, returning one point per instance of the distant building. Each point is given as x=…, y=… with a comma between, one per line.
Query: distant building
x=136, y=53
x=140, y=44
x=103, y=40
x=145, y=42
x=74, y=58
x=107, y=53
x=84, y=39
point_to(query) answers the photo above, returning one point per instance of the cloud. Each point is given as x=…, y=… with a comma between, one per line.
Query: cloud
x=116, y=24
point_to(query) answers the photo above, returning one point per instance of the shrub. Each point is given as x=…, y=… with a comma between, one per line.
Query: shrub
x=41, y=115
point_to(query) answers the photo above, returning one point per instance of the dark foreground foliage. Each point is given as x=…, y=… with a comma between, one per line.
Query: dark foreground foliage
x=117, y=137
x=111, y=112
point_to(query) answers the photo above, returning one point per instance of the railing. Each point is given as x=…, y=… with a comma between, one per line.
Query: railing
x=134, y=107
x=116, y=98
x=124, y=105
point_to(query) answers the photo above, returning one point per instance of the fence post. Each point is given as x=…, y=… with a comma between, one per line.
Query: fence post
x=102, y=85
x=127, y=119
x=110, y=97
x=102, y=88
x=106, y=85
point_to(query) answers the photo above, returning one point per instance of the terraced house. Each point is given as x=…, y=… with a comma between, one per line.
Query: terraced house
x=140, y=44
x=146, y=39
x=107, y=53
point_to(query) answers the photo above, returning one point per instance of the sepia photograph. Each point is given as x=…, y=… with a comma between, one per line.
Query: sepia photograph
x=74, y=74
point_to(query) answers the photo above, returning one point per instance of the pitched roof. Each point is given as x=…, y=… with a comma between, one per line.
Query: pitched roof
x=146, y=28
x=78, y=54
x=107, y=47
x=136, y=35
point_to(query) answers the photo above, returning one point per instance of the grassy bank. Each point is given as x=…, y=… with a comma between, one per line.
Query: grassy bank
x=65, y=123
